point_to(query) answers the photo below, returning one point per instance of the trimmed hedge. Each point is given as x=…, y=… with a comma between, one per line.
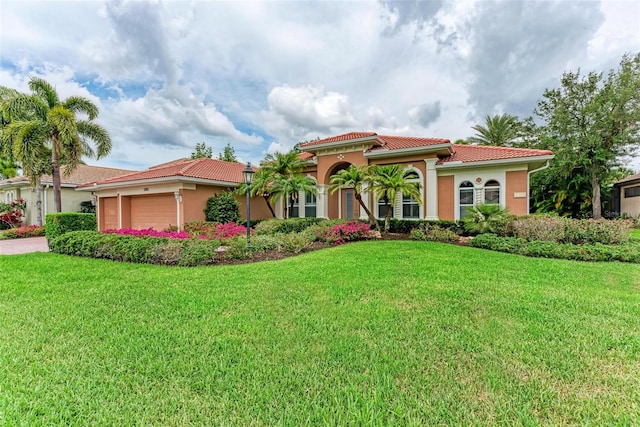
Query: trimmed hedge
x=58, y=224
x=406, y=225
x=627, y=252
x=286, y=226
x=150, y=250
x=222, y=208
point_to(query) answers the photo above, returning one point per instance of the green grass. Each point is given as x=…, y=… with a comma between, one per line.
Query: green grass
x=379, y=333
x=635, y=234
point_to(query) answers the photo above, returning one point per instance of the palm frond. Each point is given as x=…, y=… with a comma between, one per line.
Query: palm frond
x=44, y=90
x=97, y=134
x=78, y=104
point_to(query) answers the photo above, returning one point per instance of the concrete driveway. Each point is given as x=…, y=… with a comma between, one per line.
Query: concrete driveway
x=23, y=246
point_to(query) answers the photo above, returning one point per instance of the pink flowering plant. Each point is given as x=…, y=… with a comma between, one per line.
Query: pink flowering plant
x=574, y=231
x=23, y=231
x=339, y=234
x=150, y=232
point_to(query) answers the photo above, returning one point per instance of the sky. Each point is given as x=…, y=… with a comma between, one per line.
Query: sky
x=263, y=76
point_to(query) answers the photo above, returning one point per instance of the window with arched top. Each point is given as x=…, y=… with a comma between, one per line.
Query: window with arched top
x=492, y=192
x=466, y=198
x=410, y=206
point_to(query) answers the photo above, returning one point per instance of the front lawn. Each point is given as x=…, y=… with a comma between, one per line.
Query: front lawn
x=386, y=332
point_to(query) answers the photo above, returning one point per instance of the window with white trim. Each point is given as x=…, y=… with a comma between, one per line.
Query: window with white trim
x=310, y=203
x=466, y=198
x=410, y=207
x=295, y=212
x=492, y=192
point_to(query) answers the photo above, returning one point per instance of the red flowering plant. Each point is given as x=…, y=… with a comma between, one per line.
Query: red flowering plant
x=342, y=233
x=23, y=231
x=11, y=214
x=216, y=230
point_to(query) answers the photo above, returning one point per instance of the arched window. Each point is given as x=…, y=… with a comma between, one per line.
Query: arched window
x=492, y=192
x=466, y=198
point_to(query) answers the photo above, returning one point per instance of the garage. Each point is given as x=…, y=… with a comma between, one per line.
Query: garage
x=108, y=213
x=157, y=211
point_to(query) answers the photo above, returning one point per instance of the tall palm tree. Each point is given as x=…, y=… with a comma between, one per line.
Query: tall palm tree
x=289, y=187
x=43, y=120
x=388, y=182
x=500, y=130
x=274, y=168
x=354, y=177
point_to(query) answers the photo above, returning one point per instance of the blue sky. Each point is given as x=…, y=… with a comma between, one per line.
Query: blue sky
x=265, y=75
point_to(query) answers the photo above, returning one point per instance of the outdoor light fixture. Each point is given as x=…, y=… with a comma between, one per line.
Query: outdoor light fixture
x=247, y=174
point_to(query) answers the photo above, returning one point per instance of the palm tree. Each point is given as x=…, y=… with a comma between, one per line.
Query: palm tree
x=289, y=187
x=274, y=168
x=354, y=177
x=42, y=120
x=388, y=182
x=500, y=130
x=8, y=168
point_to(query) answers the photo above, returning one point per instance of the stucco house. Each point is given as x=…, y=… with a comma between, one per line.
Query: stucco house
x=626, y=199
x=166, y=195
x=19, y=187
x=452, y=177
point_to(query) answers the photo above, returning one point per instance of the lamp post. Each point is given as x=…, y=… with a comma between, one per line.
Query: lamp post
x=247, y=174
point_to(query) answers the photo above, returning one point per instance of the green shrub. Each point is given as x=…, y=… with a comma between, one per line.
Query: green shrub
x=293, y=242
x=487, y=218
x=151, y=250
x=434, y=233
x=222, y=208
x=21, y=232
x=63, y=222
x=285, y=226
x=404, y=226
x=627, y=252
x=236, y=248
x=575, y=231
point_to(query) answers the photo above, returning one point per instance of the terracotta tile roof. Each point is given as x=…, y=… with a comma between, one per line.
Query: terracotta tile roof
x=344, y=137
x=81, y=174
x=399, y=142
x=385, y=142
x=628, y=179
x=305, y=155
x=479, y=153
x=204, y=168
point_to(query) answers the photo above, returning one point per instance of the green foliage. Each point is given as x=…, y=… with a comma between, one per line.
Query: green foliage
x=500, y=130
x=88, y=206
x=391, y=180
x=574, y=231
x=405, y=226
x=293, y=242
x=290, y=225
x=280, y=177
x=228, y=154
x=487, y=218
x=41, y=123
x=222, y=208
x=202, y=151
x=355, y=177
x=434, y=233
x=591, y=122
x=59, y=223
x=21, y=232
x=628, y=252
x=126, y=248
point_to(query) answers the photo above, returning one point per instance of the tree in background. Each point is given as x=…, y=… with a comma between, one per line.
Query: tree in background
x=591, y=122
x=288, y=188
x=228, y=154
x=202, y=151
x=388, y=182
x=355, y=177
x=41, y=120
x=499, y=130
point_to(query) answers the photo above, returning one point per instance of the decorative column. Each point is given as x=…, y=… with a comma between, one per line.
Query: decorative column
x=321, y=201
x=178, y=198
x=431, y=190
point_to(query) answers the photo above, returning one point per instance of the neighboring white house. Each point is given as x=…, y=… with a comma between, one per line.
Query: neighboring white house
x=627, y=196
x=19, y=188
